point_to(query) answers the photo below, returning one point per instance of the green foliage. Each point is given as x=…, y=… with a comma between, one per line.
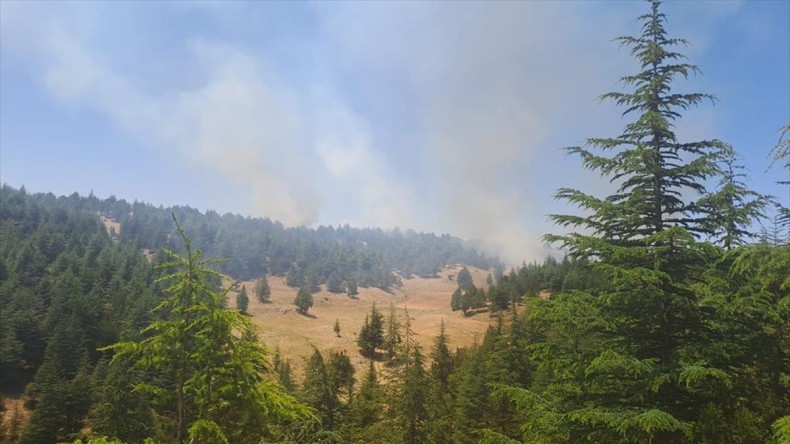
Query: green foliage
x=262, y=290
x=782, y=429
x=364, y=420
x=455, y=300
x=335, y=284
x=242, y=300
x=392, y=336
x=464, y=279
x=371, y=335
x=318, y=391
x=663, y=350
x=473, y=298
x=203, y=368
x=303, y=299
x=119, y=410
x=336, y=327
x=352, y=287
x=733, y=207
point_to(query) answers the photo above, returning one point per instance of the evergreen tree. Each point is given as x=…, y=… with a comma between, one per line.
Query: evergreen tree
x=303, y=300
x=733, y=207
x=295, y=277
x=318, y=391
x=59, y=391
x=365, y=421
x=464, y=279
x=781, y=154
x=262, y=290
x=624, y=385
x=119, y=410
x=371, y=335
x=441, y=424
x=242, y=300
x=341, y=375
x=336, y=328
x=282, y=368
x=209, y=382
x=334, y=284
x=455, y=299
x=392, y=337
x=352, y=287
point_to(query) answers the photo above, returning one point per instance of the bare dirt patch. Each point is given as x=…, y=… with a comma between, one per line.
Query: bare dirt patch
x=112, y=226
x=428, y=302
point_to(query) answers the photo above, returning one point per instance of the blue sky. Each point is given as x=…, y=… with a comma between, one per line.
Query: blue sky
x=437, y=116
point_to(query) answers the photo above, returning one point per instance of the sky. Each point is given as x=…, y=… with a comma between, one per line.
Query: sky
x=447, y=117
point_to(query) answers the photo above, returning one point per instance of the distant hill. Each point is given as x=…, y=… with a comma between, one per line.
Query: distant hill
x=255, y=246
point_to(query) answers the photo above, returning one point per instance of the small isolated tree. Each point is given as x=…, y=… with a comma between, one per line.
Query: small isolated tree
x=334, y=284
x=295, y=277
x=262, y=290
x=352, y=287
x=336, y=328
x=464, y=279
x=304, y=299
x=242, y=300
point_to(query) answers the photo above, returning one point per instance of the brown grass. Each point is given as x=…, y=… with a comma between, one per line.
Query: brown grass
x=13, y=418
x=427, y=300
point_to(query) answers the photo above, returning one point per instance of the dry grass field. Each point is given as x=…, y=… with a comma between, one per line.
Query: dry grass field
x=427, y=300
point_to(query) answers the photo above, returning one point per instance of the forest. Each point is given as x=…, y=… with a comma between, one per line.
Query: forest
x=668, y=320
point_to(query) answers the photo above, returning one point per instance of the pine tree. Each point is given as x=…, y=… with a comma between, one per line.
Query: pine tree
x=303, y=299
x=282, y=368
x=262, y=290
x=209, y=381
x=295, y=277
x=392, y=337
x=442, y=361
x=317, y=389
x=120, y=411
x=733, y=207
x=334, y=284
x=336, y=328
x=352, y=288
x=412, y=390
x=242, y=300
x=643, y=236
x=341, y=375
x=440, y=424
x=364, y=421
x=371, y=335
x=455, y=299
x=781, y=154
x=464, y=279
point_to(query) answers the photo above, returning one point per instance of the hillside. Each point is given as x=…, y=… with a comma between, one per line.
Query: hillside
x=257, y=246
x=428, y=302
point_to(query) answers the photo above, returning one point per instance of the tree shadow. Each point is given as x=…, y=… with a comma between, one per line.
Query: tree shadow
x=375, y=356
x=306, y=314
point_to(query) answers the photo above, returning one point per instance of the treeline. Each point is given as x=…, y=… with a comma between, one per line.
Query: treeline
x=535, y=279
x=255, y=246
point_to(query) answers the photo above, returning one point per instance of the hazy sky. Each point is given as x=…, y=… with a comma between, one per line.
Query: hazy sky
x=444, y=117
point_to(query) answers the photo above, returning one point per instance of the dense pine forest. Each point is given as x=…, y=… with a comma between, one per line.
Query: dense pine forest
x=254, y=247
x=668, y=320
